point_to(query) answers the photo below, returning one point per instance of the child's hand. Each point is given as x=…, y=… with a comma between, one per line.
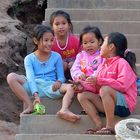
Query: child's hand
x=56, y=85
x=77, y=87
x=91, y=80
x=37, y=99
x=82, y=77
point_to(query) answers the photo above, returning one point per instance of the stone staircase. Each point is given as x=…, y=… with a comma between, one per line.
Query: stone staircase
x=108, y=15
x=50, y=127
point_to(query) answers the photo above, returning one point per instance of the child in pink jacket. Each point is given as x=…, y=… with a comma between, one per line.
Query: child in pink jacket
x=115, y=83
x=87, y=60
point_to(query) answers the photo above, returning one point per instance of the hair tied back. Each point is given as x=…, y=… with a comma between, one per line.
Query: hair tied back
x=127, y=51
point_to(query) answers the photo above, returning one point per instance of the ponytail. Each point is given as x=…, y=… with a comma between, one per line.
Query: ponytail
x=130, y=57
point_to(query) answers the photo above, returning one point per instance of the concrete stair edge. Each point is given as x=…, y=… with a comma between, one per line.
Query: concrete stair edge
x=62, y=137
x=107, y=26
x=43, y=124
x=96, y=14
x=52, y=106
x=93, y=3
x=88, y=9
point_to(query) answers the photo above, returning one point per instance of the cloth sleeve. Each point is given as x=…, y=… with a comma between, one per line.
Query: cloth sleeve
x=30, y=74
x=124, y=79
x=76, y=68
x=60, y=70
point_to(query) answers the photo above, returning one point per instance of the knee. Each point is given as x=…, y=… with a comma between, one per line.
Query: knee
x=104, y=91
x=81, y=97
x=11, y=77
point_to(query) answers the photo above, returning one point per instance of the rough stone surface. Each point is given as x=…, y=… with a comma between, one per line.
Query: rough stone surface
x=12, y=41
x=15, y=44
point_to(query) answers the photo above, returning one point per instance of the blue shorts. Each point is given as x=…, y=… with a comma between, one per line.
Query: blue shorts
x=121, y=108
x=44, y=89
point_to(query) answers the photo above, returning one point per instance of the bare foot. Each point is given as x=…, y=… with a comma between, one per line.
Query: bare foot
x=67, y=115
x=28, y=110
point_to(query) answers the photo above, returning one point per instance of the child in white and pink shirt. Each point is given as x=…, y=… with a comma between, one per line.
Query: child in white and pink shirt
x=88, y=59
x=84, y=66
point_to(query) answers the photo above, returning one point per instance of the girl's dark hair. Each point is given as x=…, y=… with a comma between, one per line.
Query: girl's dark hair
x=61, y=13
x=93, y=29
x=39, y=31
x=120, y=42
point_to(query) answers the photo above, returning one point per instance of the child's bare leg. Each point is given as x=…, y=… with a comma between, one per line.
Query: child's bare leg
x=91, y=103
x=64, y=112
x=108, y=96
x=15, y=82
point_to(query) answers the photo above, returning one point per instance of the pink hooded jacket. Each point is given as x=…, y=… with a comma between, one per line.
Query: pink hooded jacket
x=117, y=73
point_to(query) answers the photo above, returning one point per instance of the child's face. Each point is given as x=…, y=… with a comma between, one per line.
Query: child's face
x=105, y=48
x=90, y=43
x=45, y=43
x=60, y=26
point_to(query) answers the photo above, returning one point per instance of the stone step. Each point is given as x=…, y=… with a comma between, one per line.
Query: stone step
x=99, y=14
x=132, y=38
x=51, y=124
x=133, y=41
x=52, y=106
x=90, y=4
x=39, y=123
x=127, y=27
x=62, y=137
x=137, y=52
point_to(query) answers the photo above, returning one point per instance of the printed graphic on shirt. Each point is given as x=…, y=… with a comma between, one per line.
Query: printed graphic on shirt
x=89, y=67
x=68, y=53
x=95, y=61
x=111, y=72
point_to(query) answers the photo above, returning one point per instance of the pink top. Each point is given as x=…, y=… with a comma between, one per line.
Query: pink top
x=117, y=73
x=85, y=63
x=71, y=50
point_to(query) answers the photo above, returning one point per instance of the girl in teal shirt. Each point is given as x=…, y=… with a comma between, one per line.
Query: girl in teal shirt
x=44, y=74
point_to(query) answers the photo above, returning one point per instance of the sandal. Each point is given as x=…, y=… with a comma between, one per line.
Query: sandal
x=83, y=112
x=92, y=130
x=105, y=131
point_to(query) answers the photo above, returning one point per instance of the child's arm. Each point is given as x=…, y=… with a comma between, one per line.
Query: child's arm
x=76, y=71
x=56, y=85
x=36, y=98
x=60, y=70
x=30, y=74
x=124, y=79
x=60, y=74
